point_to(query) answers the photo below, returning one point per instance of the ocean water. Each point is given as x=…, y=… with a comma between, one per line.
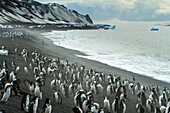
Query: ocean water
x=131, y=46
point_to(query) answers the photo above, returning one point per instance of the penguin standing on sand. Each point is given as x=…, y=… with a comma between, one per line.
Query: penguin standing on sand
x=157, y=110
x=47, y=108
x=149, y=105
x=142, y=98
x=162, y=109
x=6, y=94
x=26, y=70
x=167, y=109
x=115, y=105
x=37, y=90
x=162, y=100
x=58, y=97
x=31, y=108
x=25, y=103
x=31, y=86
x=34, y=105
x=106, y=104
x=139, y=108
x=133, y=78
x=16, y=51
x=17, y=69
x=110, y=89
x=122, y=106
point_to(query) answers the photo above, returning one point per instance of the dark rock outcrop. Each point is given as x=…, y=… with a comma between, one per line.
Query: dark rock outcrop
x=29, y=11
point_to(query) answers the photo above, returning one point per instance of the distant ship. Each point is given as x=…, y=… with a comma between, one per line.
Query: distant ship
x=154, y=29
x=112, y=28
x=106, y=28
x=167, y=25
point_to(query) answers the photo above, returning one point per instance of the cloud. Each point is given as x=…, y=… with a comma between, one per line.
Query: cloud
x=164, y=8
x=131, y=10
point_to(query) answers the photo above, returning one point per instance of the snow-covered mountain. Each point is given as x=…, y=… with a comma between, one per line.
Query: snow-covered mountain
x=29, y=11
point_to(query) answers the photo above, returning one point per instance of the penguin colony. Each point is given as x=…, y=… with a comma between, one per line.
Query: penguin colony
x=75, y=82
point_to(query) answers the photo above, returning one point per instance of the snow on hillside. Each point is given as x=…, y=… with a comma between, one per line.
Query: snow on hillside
x=34, y=12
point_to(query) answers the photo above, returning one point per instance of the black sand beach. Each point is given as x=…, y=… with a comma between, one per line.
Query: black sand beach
x=34, y=41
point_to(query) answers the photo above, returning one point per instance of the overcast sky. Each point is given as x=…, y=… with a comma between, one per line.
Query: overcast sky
x=129, y=10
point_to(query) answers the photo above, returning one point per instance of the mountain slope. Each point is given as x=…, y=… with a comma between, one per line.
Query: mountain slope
x=28, y=11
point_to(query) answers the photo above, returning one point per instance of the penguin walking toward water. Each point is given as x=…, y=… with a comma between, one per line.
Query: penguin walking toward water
x=115, y=105
x=25, y=103
x=47, y=108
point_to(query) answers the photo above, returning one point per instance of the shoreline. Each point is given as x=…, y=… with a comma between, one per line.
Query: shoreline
x=46, y=48
x=125, y=69
x=87, y=62
x=75, y=52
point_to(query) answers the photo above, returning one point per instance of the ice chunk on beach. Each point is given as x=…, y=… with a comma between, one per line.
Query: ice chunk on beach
x=3, y=52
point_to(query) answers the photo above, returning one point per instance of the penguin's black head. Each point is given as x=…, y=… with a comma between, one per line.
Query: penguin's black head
x=125, y=95
x=123, y=101
x=157, y=110
x=76, y=110
x=34, y=98
x=116, y=99
x=168, y=99
x=47, y=101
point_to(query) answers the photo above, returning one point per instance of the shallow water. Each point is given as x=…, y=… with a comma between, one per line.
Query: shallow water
x=131, y=46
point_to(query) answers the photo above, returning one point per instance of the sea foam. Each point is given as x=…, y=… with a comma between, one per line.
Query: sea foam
x=137, y=51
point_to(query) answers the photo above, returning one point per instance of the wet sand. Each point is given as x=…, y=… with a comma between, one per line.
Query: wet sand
x=34, y=41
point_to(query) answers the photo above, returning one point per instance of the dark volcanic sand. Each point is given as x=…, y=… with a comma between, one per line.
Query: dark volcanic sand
x=45, y=47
